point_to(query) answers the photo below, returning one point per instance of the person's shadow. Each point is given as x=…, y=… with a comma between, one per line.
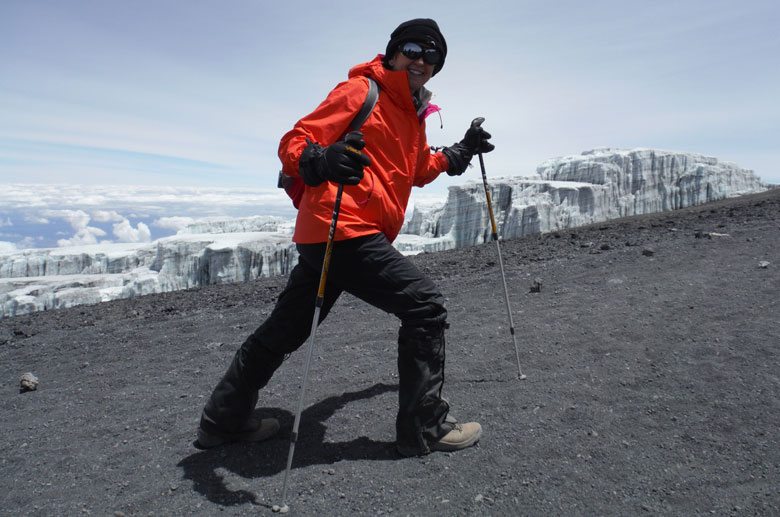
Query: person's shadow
x=264, y=459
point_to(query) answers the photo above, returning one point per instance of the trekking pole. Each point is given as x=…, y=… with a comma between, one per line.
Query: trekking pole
x=317, y=307
x=477, y=122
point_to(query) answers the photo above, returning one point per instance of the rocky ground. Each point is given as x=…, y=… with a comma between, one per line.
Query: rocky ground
x=651, y=354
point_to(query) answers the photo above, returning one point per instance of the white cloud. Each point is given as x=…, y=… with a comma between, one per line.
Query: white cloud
x=173, y=223
x=86, y=235
x=78, y=219
x=157, y=200
x=107, y=216
x=34, y=219
x=7, y=247
x=125, y=232
x=28, y=242
x=85, y=207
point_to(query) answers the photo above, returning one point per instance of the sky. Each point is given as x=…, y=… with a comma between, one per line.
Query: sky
x=197, y=93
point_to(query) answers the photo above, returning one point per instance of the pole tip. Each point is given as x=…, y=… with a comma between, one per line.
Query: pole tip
x=280, y=509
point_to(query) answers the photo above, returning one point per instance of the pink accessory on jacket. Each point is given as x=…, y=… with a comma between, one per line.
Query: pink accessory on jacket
x=430, y=108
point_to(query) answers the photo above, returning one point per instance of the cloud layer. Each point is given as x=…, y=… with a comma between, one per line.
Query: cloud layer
x=75, y=215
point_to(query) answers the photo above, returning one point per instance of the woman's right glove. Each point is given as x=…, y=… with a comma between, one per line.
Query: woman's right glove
x=474, y=142
x=341, y=162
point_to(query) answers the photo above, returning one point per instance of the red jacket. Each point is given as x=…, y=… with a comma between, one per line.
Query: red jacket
x=395, y=142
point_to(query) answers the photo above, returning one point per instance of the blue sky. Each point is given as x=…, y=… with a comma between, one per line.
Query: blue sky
x=198, y=93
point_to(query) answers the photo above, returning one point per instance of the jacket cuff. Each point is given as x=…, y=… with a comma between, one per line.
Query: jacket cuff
x=310, y=164
x=458, y=157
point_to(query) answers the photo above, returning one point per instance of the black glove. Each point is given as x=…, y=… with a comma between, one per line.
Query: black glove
x=341, y=162
x=475, y=141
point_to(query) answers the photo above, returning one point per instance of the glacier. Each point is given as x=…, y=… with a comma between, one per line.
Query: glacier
x=569, y=191
x=41, y=279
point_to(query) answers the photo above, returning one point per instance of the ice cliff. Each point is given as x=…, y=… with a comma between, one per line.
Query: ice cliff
x=576, y=190
x=41, y=279
x=570, y=191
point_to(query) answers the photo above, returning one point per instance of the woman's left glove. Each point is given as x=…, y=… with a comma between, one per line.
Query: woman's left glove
x=475, y=141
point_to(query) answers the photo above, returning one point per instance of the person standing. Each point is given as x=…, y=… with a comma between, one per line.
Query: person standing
x=378, y=169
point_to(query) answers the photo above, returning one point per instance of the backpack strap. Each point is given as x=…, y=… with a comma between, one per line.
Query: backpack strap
x=368, y=106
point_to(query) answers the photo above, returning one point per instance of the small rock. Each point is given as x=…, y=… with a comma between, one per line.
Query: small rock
x=763, y=264
x=536, y=285
x=604, y=247
x=479, y=498
x=648, y=252
x=28, y=382
x=280, y=509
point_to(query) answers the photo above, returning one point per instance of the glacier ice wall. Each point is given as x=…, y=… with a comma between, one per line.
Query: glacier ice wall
x=41, y=279
x=576, y=190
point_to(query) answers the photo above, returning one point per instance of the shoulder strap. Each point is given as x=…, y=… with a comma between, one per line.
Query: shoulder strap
x=368, y=106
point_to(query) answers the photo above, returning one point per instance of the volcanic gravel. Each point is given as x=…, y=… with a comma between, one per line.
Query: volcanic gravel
x=651, y=355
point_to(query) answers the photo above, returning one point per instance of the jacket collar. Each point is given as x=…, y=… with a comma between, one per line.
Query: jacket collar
x=393, y=83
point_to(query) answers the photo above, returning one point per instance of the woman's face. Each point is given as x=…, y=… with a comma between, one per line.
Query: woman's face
x=418, y=71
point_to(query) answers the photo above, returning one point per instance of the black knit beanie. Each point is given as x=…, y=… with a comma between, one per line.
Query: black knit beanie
x=419, y=30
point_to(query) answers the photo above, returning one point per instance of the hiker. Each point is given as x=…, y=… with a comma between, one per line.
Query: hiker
x=378, y=170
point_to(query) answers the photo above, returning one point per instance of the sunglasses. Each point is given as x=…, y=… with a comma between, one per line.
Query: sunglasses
x=413, y=51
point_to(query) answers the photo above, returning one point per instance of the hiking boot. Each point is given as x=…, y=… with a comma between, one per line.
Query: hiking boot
x=461, y=437
x=253, y=431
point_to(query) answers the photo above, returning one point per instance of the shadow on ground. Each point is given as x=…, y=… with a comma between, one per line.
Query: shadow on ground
x=269, y=458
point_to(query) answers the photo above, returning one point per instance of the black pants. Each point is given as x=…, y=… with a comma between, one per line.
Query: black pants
x=372, y=270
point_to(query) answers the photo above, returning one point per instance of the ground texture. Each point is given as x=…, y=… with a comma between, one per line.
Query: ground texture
x=651, y=354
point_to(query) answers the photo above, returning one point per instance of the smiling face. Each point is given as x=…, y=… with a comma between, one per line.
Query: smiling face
x=418, y=71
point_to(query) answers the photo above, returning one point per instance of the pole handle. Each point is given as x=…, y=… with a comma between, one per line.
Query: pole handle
x=488, y=197
x=329, y=245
